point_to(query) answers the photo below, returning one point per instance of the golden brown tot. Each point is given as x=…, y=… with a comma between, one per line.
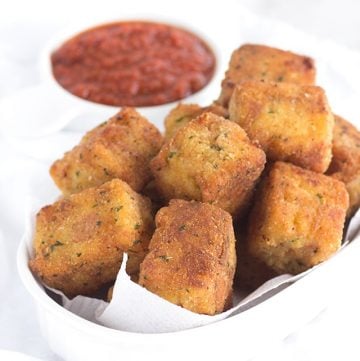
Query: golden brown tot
x=192, y=259
x=298, y=218
x=263, y=63
x=210, y=160
x=184, y=113
x=345, y=163
x=79, y=240
x=120, y=148
x=291, y=123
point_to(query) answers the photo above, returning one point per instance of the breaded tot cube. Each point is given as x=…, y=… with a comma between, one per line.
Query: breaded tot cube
x=192, y=258
x=298, y=218
x=184, y=113
x=120, y=148
x=79, y=240
x=345, y=163
x=263, y=63
x=209, y=160
x=291, y=123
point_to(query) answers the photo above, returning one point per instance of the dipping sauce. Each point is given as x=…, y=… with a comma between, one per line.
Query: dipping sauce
x=134, y=63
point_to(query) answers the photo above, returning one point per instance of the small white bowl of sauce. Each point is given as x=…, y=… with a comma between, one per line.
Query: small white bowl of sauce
x=91, y=70
x=146, y=64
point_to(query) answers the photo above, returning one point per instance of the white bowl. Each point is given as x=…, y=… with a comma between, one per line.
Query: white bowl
x=243, y=335
x=91, y=112
x=51, y=108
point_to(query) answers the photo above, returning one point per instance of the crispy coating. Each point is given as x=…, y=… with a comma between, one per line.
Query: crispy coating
x=184, y=113
x=192, y=257
x=298, y=218
x=119, y=148
x=345, y=164
x=210, y=160
x=80, y=239
x=291, y=123
x=263, y=63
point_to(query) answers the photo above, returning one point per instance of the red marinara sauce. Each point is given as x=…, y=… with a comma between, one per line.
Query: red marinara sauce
x=134, y=63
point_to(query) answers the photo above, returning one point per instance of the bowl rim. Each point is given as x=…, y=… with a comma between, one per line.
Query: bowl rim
x=110, y=335
x=66, y=33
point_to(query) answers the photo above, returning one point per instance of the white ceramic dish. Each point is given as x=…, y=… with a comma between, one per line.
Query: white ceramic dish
x=53, y=108
x=81, y=106
x=75, y=339
x=82, y=114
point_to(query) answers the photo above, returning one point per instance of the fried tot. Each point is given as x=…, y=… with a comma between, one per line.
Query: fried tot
x=263, y=63
x=120, y=148
x=210, y=160
x=345, y=163
x=298, y=218
x=291, y=123
x=184, y=113
x=80, y=239
x=192, y=258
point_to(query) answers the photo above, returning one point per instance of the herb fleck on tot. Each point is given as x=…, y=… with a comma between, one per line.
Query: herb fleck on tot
x=216, y=147
x=98, y=223
x=77, y=173
x=165, y=258
x=137, y=241
x=137, y=226
x=56, y=244
x=117, y=208
x=106, y=171
x=178, y=120
x=171, y=155
x=78, y=254
x=320, y=197
x=182, y=228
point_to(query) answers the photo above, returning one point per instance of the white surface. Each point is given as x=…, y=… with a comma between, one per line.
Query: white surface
x=332, y=335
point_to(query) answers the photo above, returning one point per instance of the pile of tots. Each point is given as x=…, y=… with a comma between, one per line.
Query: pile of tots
x=258, y=184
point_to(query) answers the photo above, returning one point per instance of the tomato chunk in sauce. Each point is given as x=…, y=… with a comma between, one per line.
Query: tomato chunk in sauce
x=134, y=63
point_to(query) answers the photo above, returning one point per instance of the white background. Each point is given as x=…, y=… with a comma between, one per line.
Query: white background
x=25, y=26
